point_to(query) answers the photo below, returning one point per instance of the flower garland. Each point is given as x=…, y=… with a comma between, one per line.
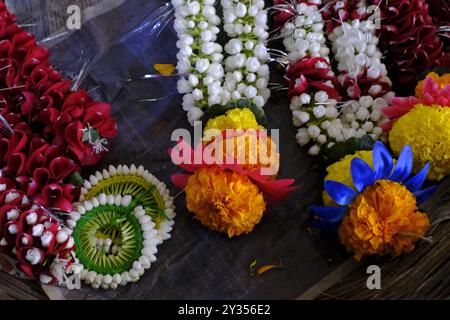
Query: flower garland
x=34, y=237
x=310, y=78
x=48, y=132
x=422, y=122
x=377, y=213
x=228, y=197
x=247, y=72
x=137, y=182
x=125, y=213
x=408, y=36
x=199, y=56
x=363, y=76
x=51, y=131
x=116, y=240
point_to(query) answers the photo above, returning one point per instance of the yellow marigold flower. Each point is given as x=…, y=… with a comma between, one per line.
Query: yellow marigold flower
x=442, y=81
x=340, y=172
x=427, y=130
x=224, y=201
x=233, y=119
x=383, y=219
x=250, y=150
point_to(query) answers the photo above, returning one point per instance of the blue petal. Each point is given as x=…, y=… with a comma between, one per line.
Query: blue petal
x=362, y=174
x=382, y=161
x=330, y=214
x=325, y=225
x=425, y=194
x=404, y=165
x=341, y=194
x=415, y=183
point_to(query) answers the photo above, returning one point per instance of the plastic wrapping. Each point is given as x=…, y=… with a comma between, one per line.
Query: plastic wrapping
x=195, y=263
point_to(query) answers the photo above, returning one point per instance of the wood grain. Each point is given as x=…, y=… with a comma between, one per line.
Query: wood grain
x=12, y=288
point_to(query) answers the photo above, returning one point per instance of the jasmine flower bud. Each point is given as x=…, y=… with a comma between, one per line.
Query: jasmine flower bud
x=183, y=86
x=322, y=139
x=252, y=64
x=302, y=137
x=250, y=92
x=362, y=114
x=314, y=150
x=313, y=131
x=302, y=116
x=12, y=214
x=319, y=111
x=259, y=101
x=202, y=65
x=194, y=114
x=34, y=256
x=193, y=80
x=331, y=112
x=241, y=10
x=366, y=101
x=305, y=98
x=197, y=94
x=367, y=126
x=321, y=96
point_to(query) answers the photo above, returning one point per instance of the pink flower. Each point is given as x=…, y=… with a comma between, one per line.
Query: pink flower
x=431, y=95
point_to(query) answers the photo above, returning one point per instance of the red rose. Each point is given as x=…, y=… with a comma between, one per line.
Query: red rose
x=303, y=77
x=57, y=196
x=61, y=168
x=98, y=115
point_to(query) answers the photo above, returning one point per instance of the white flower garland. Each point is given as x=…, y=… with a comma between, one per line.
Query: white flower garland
x=247, y=72
x=304, y=37
x=112, y=281
x=354, y=44
x=199, y=55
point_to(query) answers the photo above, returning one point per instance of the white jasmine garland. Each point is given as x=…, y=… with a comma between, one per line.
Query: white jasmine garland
x=354, y=45
x=247, y=72
x=199, y=55
x=303, y=36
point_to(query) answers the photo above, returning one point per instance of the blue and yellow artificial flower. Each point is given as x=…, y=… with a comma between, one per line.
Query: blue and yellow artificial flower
x=379, y=215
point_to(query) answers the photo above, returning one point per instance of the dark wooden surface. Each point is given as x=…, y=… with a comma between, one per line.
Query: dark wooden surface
x=424, y=274
x=12, y=288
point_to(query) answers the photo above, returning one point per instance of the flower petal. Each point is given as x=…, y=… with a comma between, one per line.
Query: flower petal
x=415, y=183
x=382, y=161
x=404, y=165
x=341, y=194
x=325, y=225
x=362, y=174
x=330, y=214
x=424, y=194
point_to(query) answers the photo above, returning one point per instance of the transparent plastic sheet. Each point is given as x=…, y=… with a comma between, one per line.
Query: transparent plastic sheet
x=195, y=263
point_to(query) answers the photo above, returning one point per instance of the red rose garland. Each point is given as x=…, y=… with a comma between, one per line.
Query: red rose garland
x=38, y=169
x=408, y=39
x=47, y=133
x=55, y=130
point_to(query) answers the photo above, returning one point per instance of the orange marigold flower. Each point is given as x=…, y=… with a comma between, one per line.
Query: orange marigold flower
x=224, y=201
x=383, y=219
x=252, y=150
x=442, y=81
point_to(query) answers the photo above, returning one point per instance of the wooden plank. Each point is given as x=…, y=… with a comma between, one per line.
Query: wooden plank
x=12, y=288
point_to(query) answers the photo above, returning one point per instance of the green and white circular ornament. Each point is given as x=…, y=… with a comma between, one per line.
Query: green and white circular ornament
x=115, y=240
x=144, y=187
